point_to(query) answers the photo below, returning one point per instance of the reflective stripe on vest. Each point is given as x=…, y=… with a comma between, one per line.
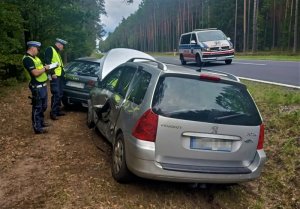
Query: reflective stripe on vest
x=57, y=58
x=39, y=66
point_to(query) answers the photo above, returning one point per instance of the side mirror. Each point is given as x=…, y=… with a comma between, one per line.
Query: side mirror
x=193, y=42
x=99, y=83
x=228, y=38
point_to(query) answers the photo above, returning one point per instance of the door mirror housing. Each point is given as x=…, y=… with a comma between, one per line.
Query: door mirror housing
x=228, y=38
x=193, y=42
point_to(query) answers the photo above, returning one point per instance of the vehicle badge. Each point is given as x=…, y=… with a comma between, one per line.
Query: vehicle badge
x=214, y=129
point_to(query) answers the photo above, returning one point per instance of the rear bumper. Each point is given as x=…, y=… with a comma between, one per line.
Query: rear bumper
x=72, y=96
x=140, y=159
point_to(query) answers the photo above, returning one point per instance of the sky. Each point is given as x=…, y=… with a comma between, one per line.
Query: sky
x=116, y=10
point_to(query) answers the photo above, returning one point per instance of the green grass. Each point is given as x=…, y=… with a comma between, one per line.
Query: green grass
x=9, y=85
x=269, y=57
x=96, y=55
x=278, y=186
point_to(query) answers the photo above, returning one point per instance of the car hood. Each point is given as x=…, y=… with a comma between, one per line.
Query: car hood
x=219, y=43
x=118, y=56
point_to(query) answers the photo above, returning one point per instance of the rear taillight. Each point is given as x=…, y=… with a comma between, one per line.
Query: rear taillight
x=209, y=77
x=146, y=127
x=90, y=84
x=260, y=144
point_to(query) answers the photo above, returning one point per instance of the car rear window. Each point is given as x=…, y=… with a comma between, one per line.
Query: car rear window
x=83, y=68
x=190, y=98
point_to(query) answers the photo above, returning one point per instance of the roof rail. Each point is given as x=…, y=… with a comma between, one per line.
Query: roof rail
x=205, y=29
x=160, y=65
x=228, y=75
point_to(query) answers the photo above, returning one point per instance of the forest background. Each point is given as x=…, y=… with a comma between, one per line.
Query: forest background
x=253, y=25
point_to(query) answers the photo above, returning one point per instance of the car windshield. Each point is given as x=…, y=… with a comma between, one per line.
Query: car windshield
x=213, y=35
x=205, y=101
x=83, y=68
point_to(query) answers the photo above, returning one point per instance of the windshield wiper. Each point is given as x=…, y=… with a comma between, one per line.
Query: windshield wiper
x=231, y=116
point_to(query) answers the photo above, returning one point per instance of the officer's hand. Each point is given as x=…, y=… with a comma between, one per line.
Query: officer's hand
x=47, y=67
x=54, y=76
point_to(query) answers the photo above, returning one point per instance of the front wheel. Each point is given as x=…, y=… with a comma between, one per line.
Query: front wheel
x=119, y=168
x=183, y=62
x=198, y=61
x=228, y=62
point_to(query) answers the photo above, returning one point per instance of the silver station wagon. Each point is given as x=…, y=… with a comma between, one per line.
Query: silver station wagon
x=174, y=124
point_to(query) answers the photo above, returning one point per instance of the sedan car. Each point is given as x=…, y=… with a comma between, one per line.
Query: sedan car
x=174, y=124
x=82, y=74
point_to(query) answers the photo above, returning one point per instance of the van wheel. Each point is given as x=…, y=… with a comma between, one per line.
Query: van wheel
x=198, y=60
x=228, y=62
x=119, y=168
x=183, y=62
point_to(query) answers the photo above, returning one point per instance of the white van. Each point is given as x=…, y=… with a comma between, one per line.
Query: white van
x=205, y=45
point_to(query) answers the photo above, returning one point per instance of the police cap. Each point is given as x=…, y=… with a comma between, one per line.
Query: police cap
x=33, y=44
x=61, y=41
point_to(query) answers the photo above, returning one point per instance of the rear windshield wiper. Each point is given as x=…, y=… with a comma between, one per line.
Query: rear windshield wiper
x=231, y=116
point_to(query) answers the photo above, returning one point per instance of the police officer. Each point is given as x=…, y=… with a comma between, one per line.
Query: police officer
x=36, y=73
x=52, y=55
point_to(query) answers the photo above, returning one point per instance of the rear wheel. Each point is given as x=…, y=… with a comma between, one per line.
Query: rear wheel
x=198, y=60
x=119, y=168
x=183, y=62
x=90, y=115
x=228, y=62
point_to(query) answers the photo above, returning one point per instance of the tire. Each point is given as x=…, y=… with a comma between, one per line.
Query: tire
x=119, y=168
x=90, y=115
x=198, y=61
x=183, y=62
x=66, y=104
x=228, y=62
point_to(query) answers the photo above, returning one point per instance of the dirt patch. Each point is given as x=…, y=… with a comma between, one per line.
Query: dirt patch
x=64, y=168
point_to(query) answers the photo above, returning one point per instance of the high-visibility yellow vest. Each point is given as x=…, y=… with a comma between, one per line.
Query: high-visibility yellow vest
x=57, y=58
x=39, y=66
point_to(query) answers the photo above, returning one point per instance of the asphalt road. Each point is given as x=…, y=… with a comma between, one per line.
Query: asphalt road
x=282, y=72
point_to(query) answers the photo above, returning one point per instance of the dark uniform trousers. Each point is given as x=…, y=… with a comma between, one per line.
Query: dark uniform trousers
x=39, y=105
x=57, y=94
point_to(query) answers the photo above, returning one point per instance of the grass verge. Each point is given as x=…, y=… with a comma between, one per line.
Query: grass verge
x=278, y=186
x=268, y=57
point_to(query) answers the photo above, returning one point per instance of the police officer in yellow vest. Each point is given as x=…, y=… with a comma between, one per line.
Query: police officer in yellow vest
x=52, y=55
x=36, y=73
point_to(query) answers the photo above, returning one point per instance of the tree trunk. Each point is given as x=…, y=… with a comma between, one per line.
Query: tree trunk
x=202, y=9
x=248, y=24
x=296, y=27
x=245, y=29
x=235, y=24
x=274, y=24
x=254, y=26
x=290, y=25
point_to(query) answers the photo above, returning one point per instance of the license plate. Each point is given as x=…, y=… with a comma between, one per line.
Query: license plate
x=210, y=144
x=75, y=84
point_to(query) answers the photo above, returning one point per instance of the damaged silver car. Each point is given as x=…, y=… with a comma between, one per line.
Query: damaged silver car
x=174, y=124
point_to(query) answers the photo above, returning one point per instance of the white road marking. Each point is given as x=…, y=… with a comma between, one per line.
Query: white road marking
x=248, y=63
x=269, y=82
